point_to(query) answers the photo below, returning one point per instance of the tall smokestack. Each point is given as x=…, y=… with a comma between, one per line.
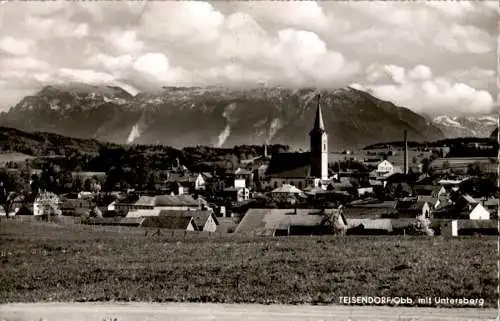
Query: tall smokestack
x=265, y=150
x=406, y=152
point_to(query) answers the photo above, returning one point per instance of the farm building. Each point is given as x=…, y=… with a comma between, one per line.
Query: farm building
x=461, y=164
x=359, y=226
x=117, y=221
x=413, y=208
x=151, y=205
x=275, y=222
x=468, y=227
x=380, y=226
x=171, y=221
x=371, y=209
x=203, y=220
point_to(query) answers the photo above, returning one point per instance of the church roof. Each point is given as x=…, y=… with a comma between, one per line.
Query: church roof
x=289, y=165
x=319, y=125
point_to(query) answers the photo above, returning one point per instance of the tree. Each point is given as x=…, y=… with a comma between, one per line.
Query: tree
x=10, y=188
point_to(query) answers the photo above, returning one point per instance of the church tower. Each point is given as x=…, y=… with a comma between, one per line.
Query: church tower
x=319, y=147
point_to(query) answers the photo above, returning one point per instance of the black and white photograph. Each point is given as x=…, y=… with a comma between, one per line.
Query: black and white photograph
x=249, y=160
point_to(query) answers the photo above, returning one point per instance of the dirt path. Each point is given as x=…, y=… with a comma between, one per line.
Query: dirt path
x=226, y=312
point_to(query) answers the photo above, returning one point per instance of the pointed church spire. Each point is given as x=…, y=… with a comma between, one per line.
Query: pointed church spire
x=318, y=122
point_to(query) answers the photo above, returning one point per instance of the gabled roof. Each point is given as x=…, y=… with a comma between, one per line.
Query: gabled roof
x=199, y=217
x=410, y=205
x=467, y=198
x=183, y=178
x=263, y=220
x=287, y=188
x=289, y=165
x=171, y=221
x=167, y=200
x=429, y=199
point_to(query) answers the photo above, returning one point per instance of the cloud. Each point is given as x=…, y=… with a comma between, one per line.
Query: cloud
x=15, y=46
x=189, y=22
x=307, y=15
x=465, y=39
x=394, y=48
x=125, y=41
x=152, y=63
x=420, y=92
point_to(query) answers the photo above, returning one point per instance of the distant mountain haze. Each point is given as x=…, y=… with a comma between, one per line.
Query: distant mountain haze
x=466, y=126
x=219, y=117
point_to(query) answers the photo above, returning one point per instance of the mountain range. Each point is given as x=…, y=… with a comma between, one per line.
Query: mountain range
x=213, y=116
x=466, y=126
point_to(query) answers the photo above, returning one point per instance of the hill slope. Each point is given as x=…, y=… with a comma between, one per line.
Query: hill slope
x=216, y=116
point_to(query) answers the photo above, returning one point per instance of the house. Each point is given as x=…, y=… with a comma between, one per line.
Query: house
x=189, y=182
x=362, y=191
x=46, y=204
x=152, y=205
x=413, y=208
x=171, y=221
x=235, y=194
x=203, y=220
x=384, y=168
x=478, y=212
x=369, y=226
x=286, y=190
x=279, y=222
x=469, y=227
x=370, y=209
x=116, y=221
x=75, y=206
x=491, y=204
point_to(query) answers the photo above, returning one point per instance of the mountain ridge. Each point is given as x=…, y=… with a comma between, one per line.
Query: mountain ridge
x=215, y=116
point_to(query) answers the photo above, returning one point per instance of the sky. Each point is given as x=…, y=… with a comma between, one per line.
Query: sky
x=434, y=57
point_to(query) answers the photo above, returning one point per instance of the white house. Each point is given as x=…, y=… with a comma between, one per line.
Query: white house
x=385, y=167
x=239, y=183
x=479, y=213
x=46, y=203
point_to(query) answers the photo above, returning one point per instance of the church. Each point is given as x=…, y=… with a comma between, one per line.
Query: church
x=302, y=169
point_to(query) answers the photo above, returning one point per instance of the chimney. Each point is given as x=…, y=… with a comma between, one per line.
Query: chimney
x=265, y=150
x=406, y=152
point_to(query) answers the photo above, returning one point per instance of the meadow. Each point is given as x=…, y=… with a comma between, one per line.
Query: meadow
x=77, y=263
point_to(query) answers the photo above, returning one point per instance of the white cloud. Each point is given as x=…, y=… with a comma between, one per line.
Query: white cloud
x=190, y=22
x=111, y=63
x=44, y=28
x=15, y=46
x=306, y=15
x=152, y=63
x=22, y=64
x=125, y=41
x=464, y=39
x=420, y=72
x=418, y=91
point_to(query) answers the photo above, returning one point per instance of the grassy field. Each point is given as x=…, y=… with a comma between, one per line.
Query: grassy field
x=50, y=262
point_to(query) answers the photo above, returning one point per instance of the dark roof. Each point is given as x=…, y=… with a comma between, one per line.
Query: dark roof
x=173, y=221
x=291, y=165
x=120, y=221
x=181, y=177
x=167, y=200
x=410, y=205
x=319, y=125
x=477, y=224
x=199, y=217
